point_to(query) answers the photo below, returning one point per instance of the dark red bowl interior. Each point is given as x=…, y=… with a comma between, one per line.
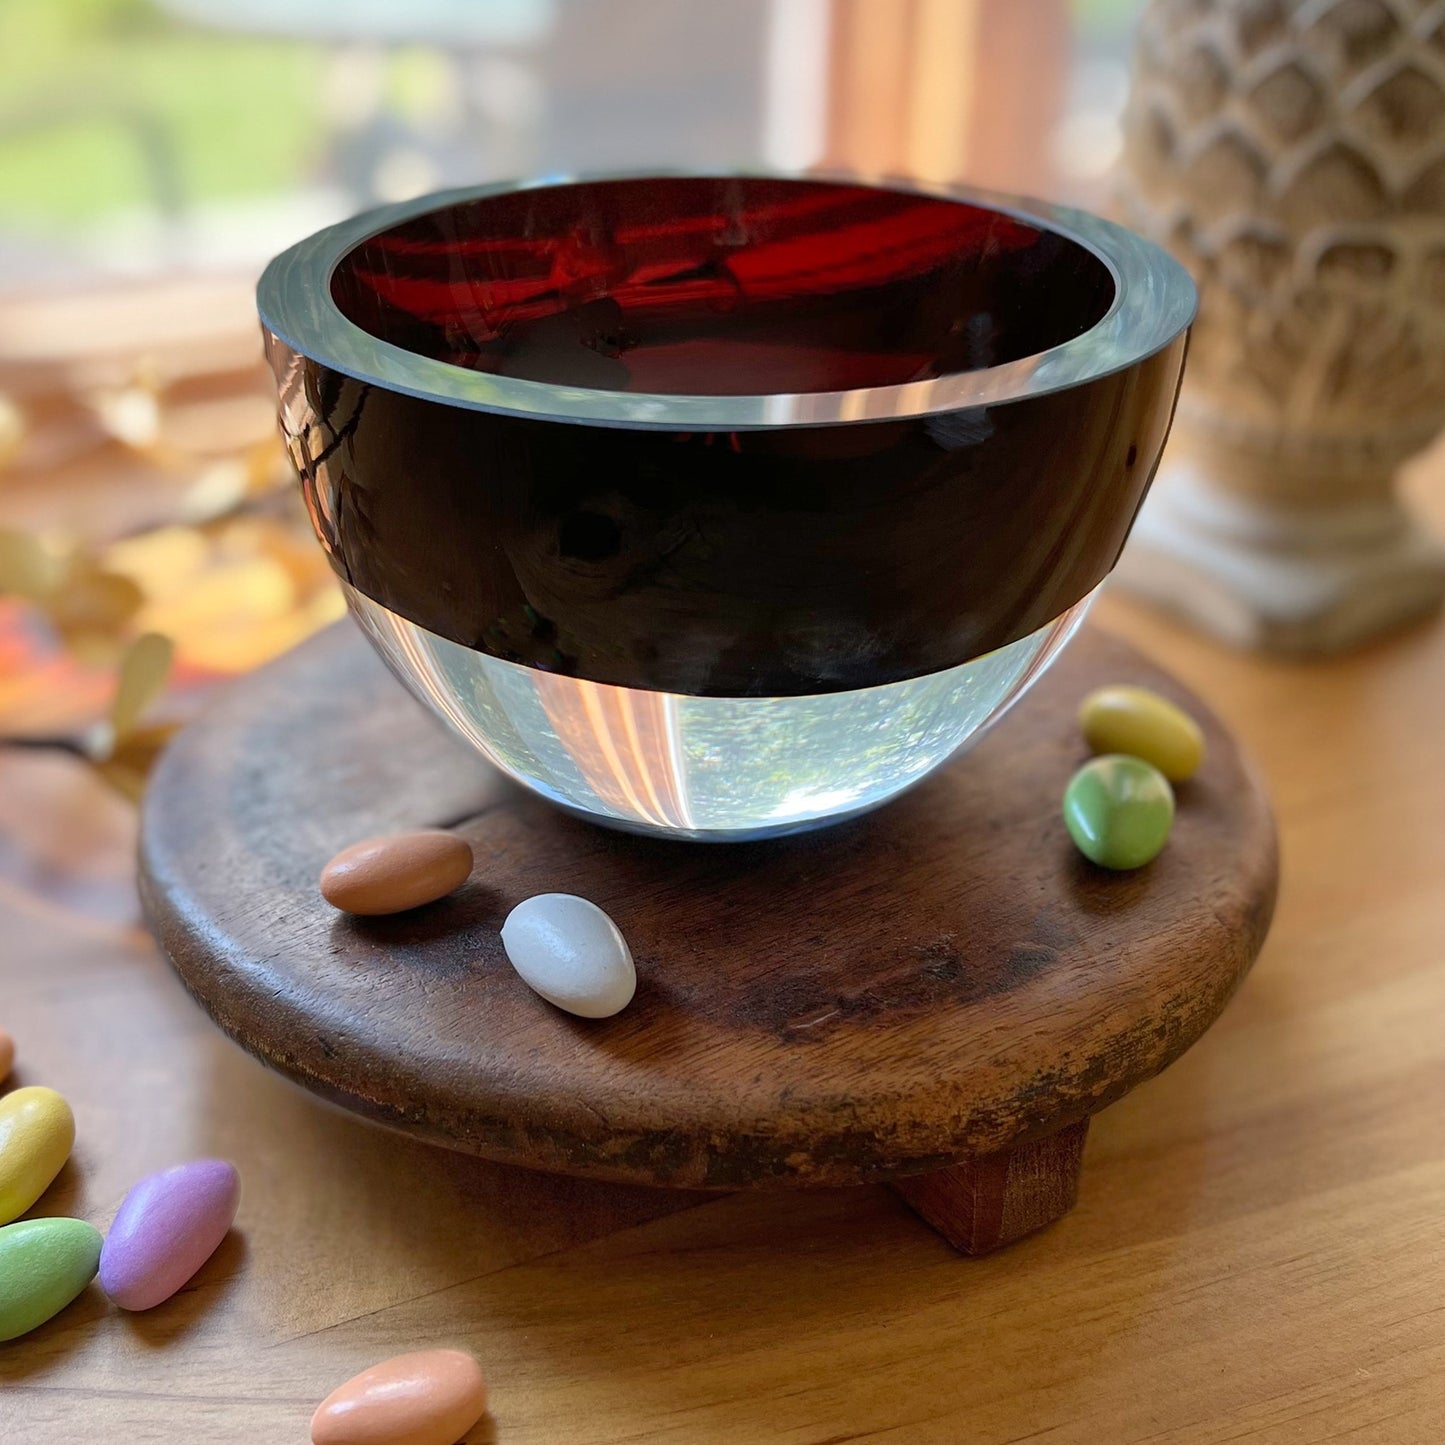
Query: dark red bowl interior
x=721, y=286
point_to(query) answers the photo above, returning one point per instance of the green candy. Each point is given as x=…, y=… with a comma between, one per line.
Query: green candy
x=44, y=1264
x=1119, y=811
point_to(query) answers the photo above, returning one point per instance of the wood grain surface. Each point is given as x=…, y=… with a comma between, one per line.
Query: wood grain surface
x=943, y=978
x=1258, y=1251
x=1257, y=1254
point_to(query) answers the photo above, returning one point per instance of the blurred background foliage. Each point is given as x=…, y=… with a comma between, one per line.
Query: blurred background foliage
x=112, y=104
x=140, y=134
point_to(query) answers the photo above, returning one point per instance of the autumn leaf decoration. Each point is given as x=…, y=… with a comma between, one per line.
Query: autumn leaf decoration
x=222, y=574
x=89, y=608
x=123, y=747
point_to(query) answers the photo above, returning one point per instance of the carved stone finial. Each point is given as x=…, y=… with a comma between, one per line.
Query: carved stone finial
x=1292, y=154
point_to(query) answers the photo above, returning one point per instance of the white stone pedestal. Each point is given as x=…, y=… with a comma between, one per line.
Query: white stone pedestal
x=1281, y=577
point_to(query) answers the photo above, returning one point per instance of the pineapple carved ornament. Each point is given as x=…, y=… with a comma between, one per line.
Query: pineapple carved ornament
x=1292, y=154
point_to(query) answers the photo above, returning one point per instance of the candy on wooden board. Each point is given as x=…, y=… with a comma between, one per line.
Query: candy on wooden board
x=391, y=874
x=569, y=951
x=1123, y=718
x=1119, y=811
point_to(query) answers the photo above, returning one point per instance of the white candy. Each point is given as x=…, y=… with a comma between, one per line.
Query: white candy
x=571, y=953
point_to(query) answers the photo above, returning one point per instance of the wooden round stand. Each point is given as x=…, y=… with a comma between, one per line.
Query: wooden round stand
x=937, y=995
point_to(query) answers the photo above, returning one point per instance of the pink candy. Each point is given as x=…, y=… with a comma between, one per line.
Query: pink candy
x=168, y=1226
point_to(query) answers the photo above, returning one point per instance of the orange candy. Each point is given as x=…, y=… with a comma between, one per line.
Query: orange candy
x=432, y=1397
x=397, y=872
x=7, y=1055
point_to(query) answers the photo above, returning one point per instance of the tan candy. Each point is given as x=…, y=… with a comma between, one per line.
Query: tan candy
x=397, y=872
x=433, y=1397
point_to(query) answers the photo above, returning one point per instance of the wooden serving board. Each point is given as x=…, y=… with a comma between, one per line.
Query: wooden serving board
x=938, y=995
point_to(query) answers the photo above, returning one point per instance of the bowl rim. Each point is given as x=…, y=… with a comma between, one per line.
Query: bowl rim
x=1154, y=303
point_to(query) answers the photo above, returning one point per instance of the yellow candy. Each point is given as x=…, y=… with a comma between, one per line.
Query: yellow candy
x=37, y=1130
x=1141, y=724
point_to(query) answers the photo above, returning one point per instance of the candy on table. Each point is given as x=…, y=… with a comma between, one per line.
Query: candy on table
x=7, y=1055
x=1132, y=720
x=168, y=1226
x=1119, y=811
x=37, y=1131
x=393, y=873
x=44, y=1264
x=569, y=951
x=432, y=1397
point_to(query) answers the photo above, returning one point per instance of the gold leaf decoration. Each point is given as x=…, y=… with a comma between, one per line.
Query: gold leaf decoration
x=143, y=673
x=27, y=567
x=129, y=762
x=197, y=564
x=12, y=430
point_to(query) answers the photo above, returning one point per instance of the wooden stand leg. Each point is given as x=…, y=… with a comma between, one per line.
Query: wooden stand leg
x=984, y=1204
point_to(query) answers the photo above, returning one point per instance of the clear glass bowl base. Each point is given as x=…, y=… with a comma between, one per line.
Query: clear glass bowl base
x=724, y=769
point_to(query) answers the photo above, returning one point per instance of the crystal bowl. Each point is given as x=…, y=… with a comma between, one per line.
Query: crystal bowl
x=722, y=506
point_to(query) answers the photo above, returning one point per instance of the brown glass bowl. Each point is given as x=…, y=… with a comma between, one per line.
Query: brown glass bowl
x=719, y=506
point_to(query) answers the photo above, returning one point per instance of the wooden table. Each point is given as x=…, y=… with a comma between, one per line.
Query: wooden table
x=1258, y=1253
